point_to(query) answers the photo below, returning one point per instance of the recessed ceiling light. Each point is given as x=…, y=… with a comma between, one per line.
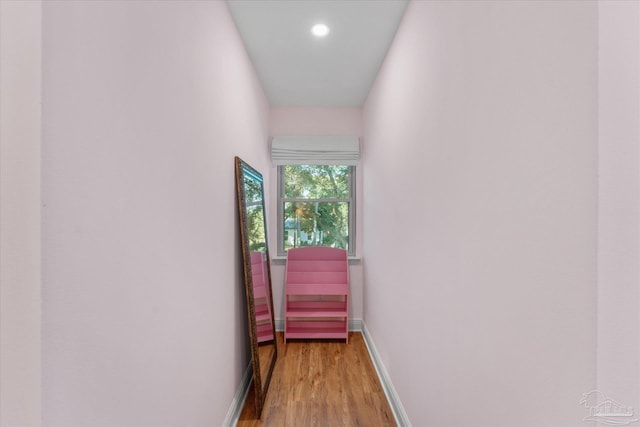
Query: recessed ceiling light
x=320, y=30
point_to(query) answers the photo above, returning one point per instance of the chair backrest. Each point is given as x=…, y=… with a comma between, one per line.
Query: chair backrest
x=257, y=269
x=317, y=265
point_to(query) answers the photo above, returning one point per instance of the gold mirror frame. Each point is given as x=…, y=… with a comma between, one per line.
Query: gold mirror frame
x=255, y=246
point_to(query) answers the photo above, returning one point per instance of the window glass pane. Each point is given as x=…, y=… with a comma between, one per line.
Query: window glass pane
x=252, y=191
x=316, y=181
x=316, y=224
x=255, y=227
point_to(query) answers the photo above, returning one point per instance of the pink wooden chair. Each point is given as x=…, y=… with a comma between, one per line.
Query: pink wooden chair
x=317, y=293
x=261, y=297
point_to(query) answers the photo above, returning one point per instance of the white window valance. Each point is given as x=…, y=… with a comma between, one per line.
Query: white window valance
x=315, y=150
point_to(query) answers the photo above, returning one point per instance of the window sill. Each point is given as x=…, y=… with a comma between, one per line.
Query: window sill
x=282, y=259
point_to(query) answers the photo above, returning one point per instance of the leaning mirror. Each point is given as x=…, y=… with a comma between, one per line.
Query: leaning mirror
x=257, y=277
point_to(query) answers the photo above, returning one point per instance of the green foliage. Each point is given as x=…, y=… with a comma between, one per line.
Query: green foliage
x=255, y=214
x=255, y=228
x=316, y=222
x=252, y=190
x=316, y=181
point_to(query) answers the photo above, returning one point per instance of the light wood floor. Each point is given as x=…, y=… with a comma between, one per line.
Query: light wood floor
x=321, y=383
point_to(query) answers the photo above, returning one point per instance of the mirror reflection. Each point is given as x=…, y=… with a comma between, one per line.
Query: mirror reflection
x=257, y=275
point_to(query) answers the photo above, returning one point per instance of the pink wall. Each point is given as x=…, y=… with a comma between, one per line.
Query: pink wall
x=480, y=191
x=20, y=272
x=145, y=105
x=619, y=209
x=317, y=121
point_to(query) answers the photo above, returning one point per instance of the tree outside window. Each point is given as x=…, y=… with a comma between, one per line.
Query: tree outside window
x=316, y=206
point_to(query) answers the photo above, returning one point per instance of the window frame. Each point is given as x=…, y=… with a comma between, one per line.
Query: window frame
x=351, y=202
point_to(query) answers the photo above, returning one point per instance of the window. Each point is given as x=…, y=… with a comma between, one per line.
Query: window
x=316, y=206
x=316, y=190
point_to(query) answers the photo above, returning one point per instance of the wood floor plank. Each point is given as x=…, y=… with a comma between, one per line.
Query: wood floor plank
x=322, y=383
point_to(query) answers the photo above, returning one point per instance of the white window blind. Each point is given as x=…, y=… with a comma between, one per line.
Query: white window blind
x=315, y=150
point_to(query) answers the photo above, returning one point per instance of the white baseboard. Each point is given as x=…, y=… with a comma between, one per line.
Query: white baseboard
x=394, y=400
x=233, y=415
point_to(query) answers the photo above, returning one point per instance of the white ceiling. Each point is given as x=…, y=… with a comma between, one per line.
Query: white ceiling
x=297, y=69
